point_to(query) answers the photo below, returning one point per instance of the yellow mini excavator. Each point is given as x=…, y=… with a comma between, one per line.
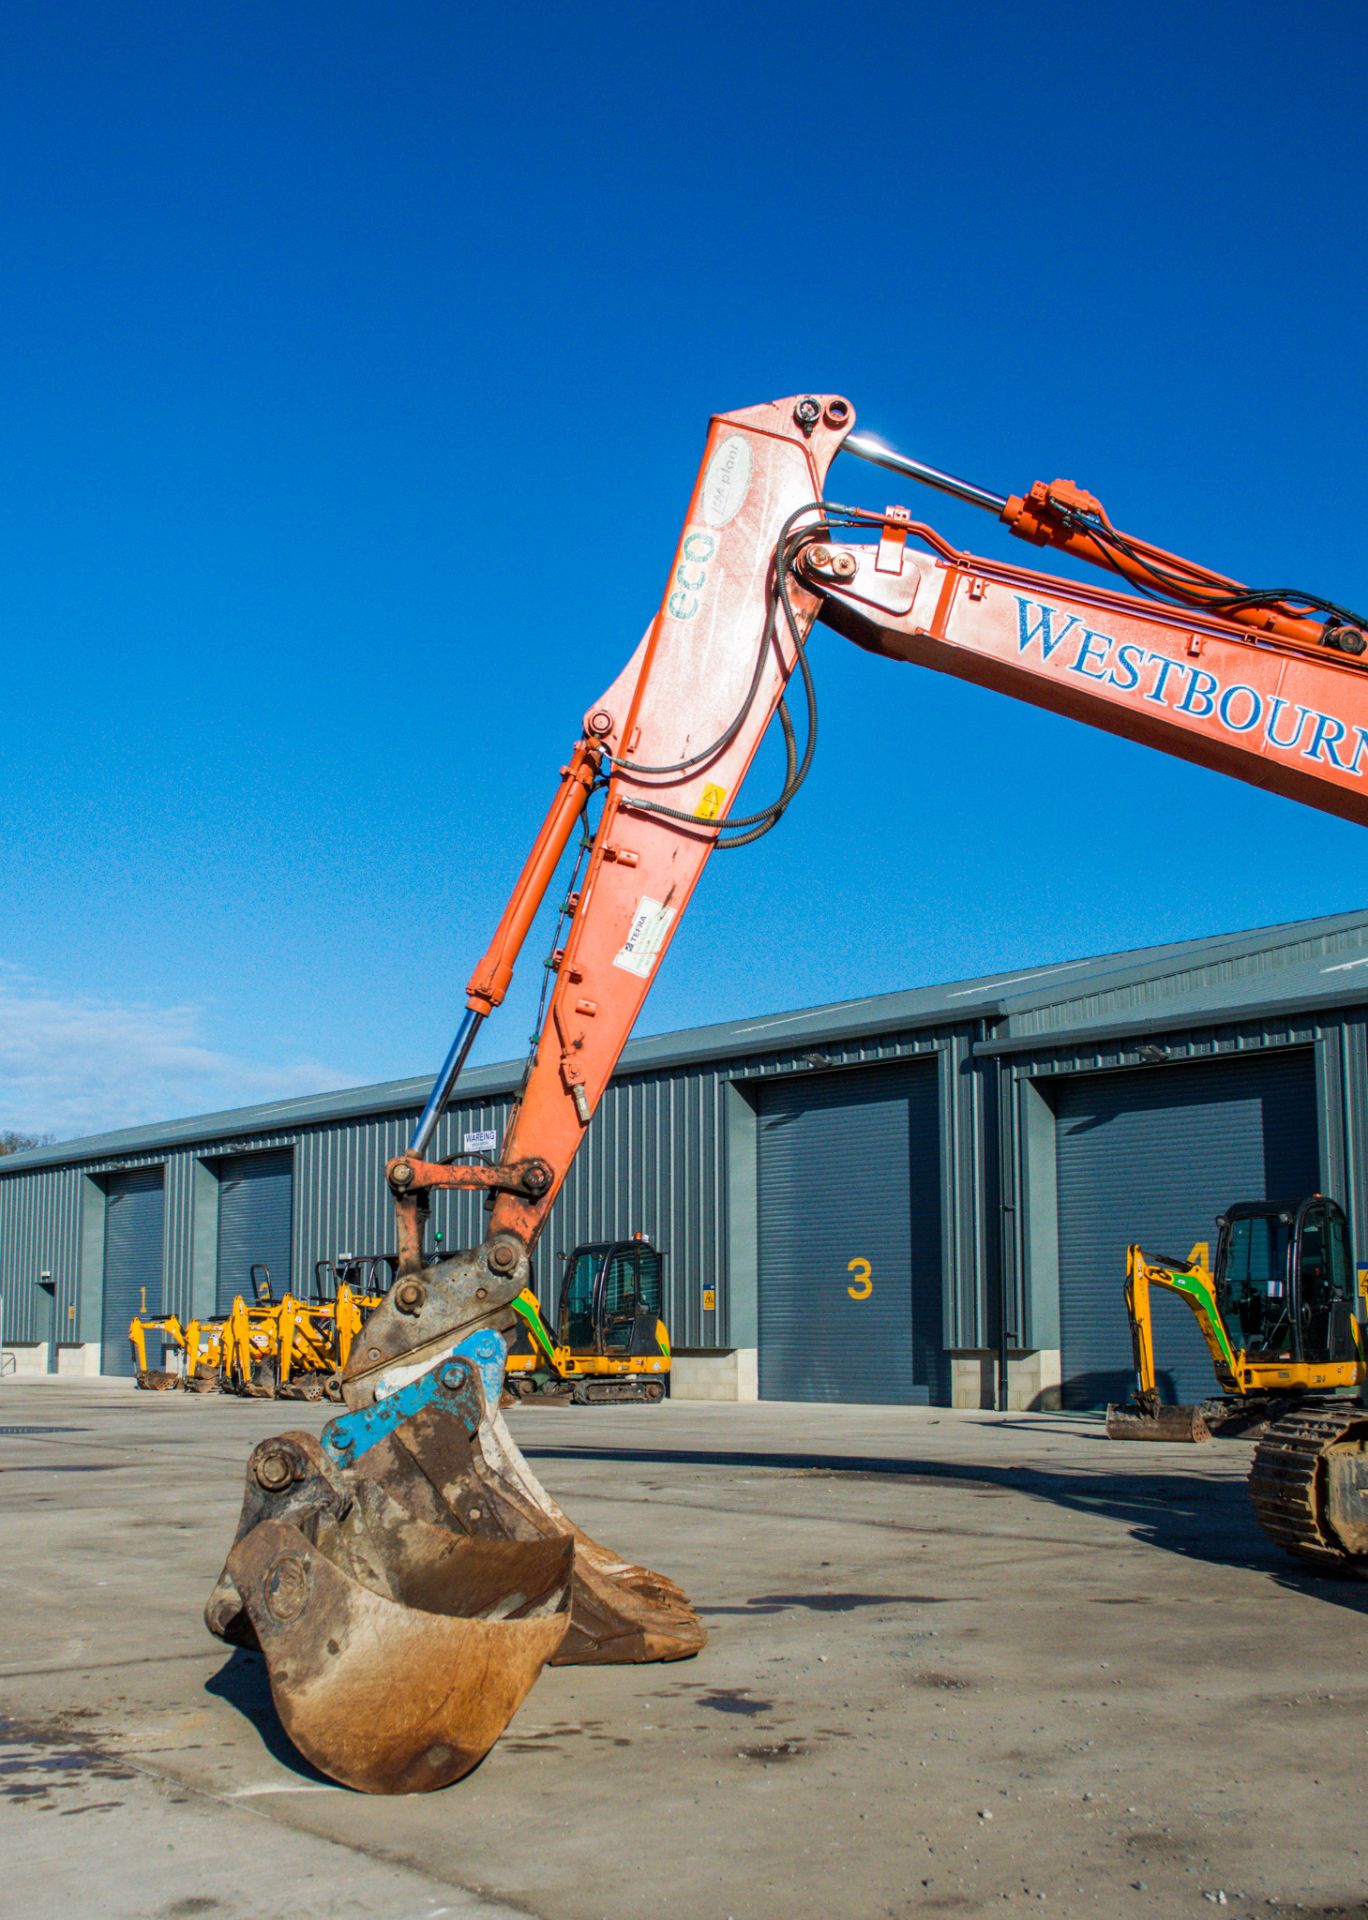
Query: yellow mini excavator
x=289, y=1349
x=199, y=1345
x=610, y=1342
x=295, y=1349
x=157, y=1379
x=1276, y=1312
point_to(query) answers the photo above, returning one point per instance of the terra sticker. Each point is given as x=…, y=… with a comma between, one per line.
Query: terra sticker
x=645, y=937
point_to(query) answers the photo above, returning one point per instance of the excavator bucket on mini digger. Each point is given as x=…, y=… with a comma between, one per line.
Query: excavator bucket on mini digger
x=1136, y=1421
x=405, y=1575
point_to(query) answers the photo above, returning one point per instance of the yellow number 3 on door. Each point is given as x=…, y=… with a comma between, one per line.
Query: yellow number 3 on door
x=863, y=1286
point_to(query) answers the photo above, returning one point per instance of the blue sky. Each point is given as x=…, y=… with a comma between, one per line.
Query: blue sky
x=359, y=359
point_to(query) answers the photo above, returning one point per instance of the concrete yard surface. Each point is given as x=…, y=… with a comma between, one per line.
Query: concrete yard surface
x=959, y=1664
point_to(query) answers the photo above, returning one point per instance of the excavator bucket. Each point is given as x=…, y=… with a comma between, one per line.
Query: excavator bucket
x=1134, y=1422
x=404, y=1692
x=406, y=1577
x=620, y=1612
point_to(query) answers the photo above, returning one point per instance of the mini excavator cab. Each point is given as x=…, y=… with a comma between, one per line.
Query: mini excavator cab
x=1325, y=1283
x=611, y=1299
x=1254, y=1268
x=575, y=1326
x=1285, y=1281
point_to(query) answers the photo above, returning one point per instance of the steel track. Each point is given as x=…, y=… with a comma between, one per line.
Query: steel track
x=1287, y=1483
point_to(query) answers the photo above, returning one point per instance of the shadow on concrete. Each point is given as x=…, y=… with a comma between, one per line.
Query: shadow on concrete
x=243, y=1682
x=1179, y=1513
x=829, y=1602
x=1095, y=1391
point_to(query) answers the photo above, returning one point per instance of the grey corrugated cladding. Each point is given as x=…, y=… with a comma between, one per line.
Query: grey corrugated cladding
x=656, y=1155
x=40, y=1232
x=1311, y=963
x=652, y=1160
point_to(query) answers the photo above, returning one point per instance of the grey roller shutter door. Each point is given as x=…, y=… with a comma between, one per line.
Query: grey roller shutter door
x=1155, y=1155
x=849, y=1170
x=134, y=1219
x=255, y=1215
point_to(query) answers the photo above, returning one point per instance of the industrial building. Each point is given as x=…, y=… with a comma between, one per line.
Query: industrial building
x=887, y=1199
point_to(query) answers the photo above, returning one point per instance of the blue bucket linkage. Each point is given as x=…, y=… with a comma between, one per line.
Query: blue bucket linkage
x=464, y=1383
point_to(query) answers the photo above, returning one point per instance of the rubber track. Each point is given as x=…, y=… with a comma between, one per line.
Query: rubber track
x=610, y=1392
x=1285, y=1482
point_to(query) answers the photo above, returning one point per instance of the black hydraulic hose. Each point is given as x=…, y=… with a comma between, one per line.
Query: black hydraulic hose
x=725, y=739
x=768, y=817
x=1196, y=591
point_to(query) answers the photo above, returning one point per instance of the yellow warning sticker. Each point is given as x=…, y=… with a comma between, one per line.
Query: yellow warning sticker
x=710, y=806
x=709, y=1300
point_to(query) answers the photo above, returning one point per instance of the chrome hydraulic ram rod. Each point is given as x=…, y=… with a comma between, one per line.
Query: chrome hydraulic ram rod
x=865, y=447
x=445, y=1081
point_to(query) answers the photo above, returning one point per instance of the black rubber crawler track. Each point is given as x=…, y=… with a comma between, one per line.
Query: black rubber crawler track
x=1287, y=1483
x=623, y=1388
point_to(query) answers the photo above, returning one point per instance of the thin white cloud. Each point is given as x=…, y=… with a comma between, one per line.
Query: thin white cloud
x=72, y=1065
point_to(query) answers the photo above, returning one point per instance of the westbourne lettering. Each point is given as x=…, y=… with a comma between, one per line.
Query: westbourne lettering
x=1130, y=668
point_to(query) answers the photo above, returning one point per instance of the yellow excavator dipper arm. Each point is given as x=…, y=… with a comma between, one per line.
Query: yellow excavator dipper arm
x=1194, y=1283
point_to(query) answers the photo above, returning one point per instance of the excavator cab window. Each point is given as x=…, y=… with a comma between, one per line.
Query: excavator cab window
x=620, y=1299
x=1325, y=1283
x=1253, y=1290
x=577, y=1300
x=649, y=1287
x=632, y=1299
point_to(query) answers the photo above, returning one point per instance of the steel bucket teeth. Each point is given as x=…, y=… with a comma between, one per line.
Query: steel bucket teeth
x=406, y=1693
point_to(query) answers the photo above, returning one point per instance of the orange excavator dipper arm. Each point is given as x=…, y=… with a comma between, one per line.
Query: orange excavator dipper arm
x=1261, y=690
